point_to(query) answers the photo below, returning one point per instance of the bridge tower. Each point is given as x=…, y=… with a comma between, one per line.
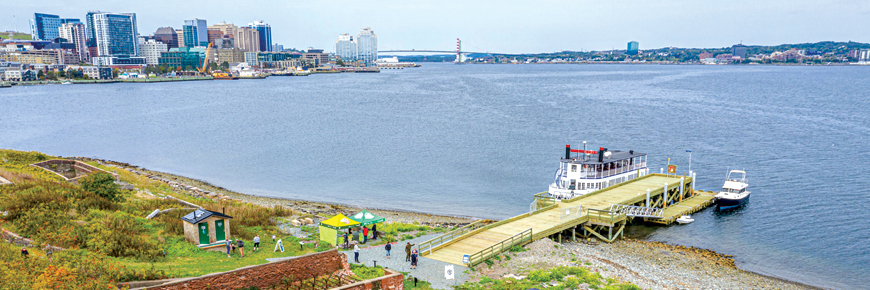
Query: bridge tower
x=458, y=51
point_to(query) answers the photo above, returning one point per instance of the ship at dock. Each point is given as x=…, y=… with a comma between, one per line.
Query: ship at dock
x=584, y=171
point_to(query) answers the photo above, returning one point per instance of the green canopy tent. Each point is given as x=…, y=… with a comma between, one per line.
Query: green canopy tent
x=366, y=218
x=330, y=227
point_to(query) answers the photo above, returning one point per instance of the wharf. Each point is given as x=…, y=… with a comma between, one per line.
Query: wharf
x=603, y=213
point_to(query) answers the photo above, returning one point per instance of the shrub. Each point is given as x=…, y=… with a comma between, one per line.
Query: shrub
x=103, y=185
x=121, y=235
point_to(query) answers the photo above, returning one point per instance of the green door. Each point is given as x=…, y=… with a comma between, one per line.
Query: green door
x=219, y=233
x=203, y=233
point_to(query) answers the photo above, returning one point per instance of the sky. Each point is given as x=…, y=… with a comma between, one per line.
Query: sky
x=506, y=26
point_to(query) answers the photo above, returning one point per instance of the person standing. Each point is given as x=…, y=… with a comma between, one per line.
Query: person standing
x=374, y=231
x=365, y=235
x=408, y=251
x=273, y=238
x=360, y=237
x=346, y=241
x=356, y=253
x=414, y=259
x=229, y=247
x=388, y=247
x=24, y=252
x=256, y=242
x=241, y=245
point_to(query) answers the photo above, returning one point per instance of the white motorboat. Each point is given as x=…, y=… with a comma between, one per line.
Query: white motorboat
x=685, y=220
x=734, y=191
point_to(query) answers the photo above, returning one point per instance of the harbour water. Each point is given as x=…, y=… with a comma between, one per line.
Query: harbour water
x=479, y=140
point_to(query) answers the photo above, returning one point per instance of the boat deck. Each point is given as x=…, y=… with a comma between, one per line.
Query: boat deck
x=582, y=211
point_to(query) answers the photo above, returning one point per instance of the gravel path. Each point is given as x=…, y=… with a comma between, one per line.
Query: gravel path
x=428, y=270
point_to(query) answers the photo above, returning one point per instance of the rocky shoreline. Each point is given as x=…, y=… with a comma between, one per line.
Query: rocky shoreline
x=648, y=264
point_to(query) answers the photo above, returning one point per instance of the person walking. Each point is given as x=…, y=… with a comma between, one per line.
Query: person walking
x=346, y=241
x=388, y=247
x=241, y=248
x=356, y=253
x=414, y=259
x=365, y=235
x=256, y=242
x=374, y=231
x=229, y=247
x=408, y=251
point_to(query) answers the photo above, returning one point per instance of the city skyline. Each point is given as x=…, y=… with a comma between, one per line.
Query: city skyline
x=501, y=26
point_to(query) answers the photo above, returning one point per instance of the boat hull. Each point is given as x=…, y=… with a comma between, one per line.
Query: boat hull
x=726, y=203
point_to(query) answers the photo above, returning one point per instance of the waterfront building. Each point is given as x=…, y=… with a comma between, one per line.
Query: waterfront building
x=151, y=50
x=265, y=34
x=46, y=26
x=167, y=36
x=230, y=55
x=317, y=55
x=633, y=48
x=195, y=33
x=76, y=34
x=118, y=60
x=181, y=57
x=345, y=47
x=247, y=39
x=738, y=50
x=115, y=34
x=863, y=55
x=93, y=72
x=267, y=59
x=367, y=46
x=42, y=56
x=19, y=75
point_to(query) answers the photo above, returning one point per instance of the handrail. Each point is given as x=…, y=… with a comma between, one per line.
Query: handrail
x=604, y=215
x=436, y=241
x=499, y=247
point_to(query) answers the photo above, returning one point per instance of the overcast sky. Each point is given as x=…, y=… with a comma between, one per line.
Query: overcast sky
x=505, y=26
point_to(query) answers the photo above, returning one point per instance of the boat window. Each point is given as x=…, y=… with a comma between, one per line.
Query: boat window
x=574, y=168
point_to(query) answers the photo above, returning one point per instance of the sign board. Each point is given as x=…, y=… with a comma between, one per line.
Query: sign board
x=448, y=272
x=465, y=259
x=279, y=245
x=672, y=169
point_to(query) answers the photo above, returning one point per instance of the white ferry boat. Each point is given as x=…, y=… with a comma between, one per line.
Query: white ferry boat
x=585, y=171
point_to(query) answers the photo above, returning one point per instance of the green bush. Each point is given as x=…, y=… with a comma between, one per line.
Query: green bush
x=365, y=272
x=103, y=185
x=121, y=235
x=21, y=157
x=517, y=249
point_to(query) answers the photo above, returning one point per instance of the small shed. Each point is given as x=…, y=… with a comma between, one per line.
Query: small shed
x=365, y=218
x=204, y=227
x=330, y=228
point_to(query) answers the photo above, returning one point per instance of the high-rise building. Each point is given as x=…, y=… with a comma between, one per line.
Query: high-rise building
x=46, y=26
x=224, y=42
x=195, y=33
x=738, y=50
x=116, y=34
x=213, y=35
x=151, y=50
x=367, y=46
x=248, y=39
x=633, y=48
x=180, y=34
x=228, y=30
x=345, y=47
x=167, y=36
x=76, y=34
x=265, y=34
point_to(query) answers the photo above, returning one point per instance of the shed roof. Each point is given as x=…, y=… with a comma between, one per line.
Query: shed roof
x=200, y=214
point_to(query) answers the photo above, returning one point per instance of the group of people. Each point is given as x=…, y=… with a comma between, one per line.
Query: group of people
x=363, y=235
x=231, y=247
x=411, y=254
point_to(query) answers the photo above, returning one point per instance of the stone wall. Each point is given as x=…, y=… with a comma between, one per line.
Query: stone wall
x=267, y=275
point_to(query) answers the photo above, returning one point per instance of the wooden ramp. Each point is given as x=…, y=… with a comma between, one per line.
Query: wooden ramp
x=551, y=217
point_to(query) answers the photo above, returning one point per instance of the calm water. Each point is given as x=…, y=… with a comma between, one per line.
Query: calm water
x=480, y=139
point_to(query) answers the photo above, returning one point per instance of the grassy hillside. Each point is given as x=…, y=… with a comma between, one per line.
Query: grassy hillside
x=15, y=35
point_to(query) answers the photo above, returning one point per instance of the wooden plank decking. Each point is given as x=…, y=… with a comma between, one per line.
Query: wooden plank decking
x=545, y=222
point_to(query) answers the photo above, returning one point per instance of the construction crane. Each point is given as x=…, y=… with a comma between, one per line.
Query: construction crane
x=205, y=61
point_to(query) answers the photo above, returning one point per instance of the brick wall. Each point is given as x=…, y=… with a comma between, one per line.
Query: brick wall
x=391, y=281
x=267, y=275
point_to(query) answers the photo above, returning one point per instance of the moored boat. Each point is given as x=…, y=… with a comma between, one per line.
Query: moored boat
x=588, y=170
x=685, y=220
x=734, y=192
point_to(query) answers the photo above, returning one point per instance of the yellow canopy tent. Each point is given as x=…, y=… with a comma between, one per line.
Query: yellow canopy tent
x=330, y=227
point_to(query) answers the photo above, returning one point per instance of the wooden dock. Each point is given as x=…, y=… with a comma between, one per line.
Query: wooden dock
x=603, y=213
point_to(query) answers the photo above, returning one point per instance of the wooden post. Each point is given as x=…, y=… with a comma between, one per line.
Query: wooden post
x=574, y=234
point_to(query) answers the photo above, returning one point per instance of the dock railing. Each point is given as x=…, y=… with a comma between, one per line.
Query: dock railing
x=604, y=216
x=430, y=245
x=515, y=240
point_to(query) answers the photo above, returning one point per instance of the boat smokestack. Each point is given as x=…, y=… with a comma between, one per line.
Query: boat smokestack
x=601, y=154
x=567, y=151
x=585, y=154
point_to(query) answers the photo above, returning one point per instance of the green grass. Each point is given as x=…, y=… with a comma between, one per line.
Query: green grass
x=564, y=277
x=17, y=35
